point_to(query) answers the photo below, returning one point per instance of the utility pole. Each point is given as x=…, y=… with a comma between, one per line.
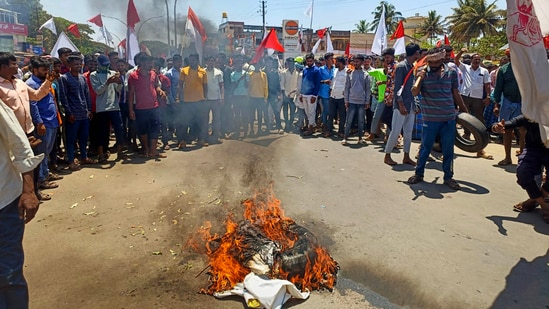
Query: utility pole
x=168, y=26
x=175, y=25
x=263, y=13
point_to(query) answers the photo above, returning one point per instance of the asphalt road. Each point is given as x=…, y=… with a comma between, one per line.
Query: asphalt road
x=96, y=244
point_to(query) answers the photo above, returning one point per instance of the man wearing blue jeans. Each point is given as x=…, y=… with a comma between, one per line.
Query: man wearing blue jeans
x=357, y=98
x=74, y=94
x=438, y=86
x=18, y=205
x=44, y=117
x=326, y=75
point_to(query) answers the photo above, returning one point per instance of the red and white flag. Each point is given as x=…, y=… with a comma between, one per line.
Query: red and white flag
x=132, y=45
x=74, y=30
x=270, y=41
x=527, y=24
x=196, y=32
x=398, y=36
x=105, y=34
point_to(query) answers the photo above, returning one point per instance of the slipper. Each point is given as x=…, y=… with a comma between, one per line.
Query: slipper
x=44, y=196
x=410, y=162
x=48, y=185
x=452, y=184
x=505, y=162
x=485, y=156
x=525, y=206
x=75, y=167
x=415, y=179
x=167, y=147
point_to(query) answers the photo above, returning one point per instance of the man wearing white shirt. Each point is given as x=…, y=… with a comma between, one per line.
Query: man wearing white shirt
x=288, y=85
x=18, y=205
x=215, y=97
x=475, y=91
x=337, y=97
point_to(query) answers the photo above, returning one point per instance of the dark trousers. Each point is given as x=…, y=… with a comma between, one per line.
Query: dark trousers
x=288, y=111
x=104, y=122
x=227, y=118
x=79, y=130
x=94, y=131
x=194, y=116
x=530, y=163
x=128, y=125
x=242, y=114
x=475, y=107
x=260, y=106
x=337, y=108
x=13, y=286
x=275, y=106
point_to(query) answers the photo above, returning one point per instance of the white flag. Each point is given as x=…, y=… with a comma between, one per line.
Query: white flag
x=380, y=39
x=329, y=45
x=63, y=41
x=526, y=27
x=50, y=24
x=309, y=11
x=132, y=45
x=317, y=45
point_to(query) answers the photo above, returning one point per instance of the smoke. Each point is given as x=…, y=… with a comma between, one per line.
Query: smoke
x=155, y=28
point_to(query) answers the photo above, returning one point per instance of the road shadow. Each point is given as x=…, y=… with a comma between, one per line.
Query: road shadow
x=436, y=190
x=526, y=285
x=263, y=142
x=532, y=218
x=510, y=168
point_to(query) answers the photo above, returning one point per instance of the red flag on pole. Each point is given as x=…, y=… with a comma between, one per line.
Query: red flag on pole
x=399, y=32
x=321, y=33
x=122, y=43
x=132, y=16
x=447, y=42
x=348, y=50
x=97, y=20
x=270, y=41
x=74, y=30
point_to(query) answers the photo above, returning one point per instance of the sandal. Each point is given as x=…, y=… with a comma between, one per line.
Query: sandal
x=415, y=179
x=48, y=185
x=486, y=156
x=452, y=184
x=505, y=162
x=525, y=206
x=103, y=158
x=43, y=196
x=89, y=161
x=74, y=166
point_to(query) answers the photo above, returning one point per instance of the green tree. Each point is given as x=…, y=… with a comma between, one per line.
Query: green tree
x=392, y=17
x=432, y=26
x=362, y=26
x=475, y=18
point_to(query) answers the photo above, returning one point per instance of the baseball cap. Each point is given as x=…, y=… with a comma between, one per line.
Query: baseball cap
x=103, y=61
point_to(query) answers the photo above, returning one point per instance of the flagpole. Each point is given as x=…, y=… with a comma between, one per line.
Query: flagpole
x=311, y=25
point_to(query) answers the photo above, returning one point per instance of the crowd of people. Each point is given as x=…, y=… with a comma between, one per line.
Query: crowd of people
x=178, y=103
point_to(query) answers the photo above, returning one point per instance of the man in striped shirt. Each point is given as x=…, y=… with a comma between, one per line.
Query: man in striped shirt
x=438, y=85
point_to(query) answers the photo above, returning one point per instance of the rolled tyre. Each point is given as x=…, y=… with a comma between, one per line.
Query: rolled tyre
x=480, y=135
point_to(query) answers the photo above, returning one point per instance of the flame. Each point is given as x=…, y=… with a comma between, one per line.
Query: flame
x=225, y=253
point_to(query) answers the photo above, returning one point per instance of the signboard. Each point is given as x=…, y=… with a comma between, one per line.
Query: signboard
x=290, y=38
x=6, y=28
x=37, y=50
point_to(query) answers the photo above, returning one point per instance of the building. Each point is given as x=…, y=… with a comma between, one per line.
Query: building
x=412, y=25
x=13, y=35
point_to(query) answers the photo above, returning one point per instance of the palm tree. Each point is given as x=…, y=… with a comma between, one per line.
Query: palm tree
x=362, y=26
x=473, y=18
x=392, y=17
x=432, y=26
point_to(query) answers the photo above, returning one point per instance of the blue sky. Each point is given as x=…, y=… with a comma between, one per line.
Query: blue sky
x=341, y=15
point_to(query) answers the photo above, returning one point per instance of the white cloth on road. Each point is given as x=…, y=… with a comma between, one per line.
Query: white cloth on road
x=270, y=293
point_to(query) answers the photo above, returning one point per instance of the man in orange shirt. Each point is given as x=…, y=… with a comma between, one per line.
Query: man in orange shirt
x=193, y=88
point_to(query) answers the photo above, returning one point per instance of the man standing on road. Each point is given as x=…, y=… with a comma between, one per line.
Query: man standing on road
x=174, y=106
x=18, y=205
x=193, y=88
x=310, y=86
x=403, y=105
x=258, y=91
x=326, y=75
x=143, y=89
x=508, y=106
x=438, y=86
x=273, y=79
x=357, y=98
x=215, y=99
x=337, y=98
x=476, y=91
x=288, y=82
